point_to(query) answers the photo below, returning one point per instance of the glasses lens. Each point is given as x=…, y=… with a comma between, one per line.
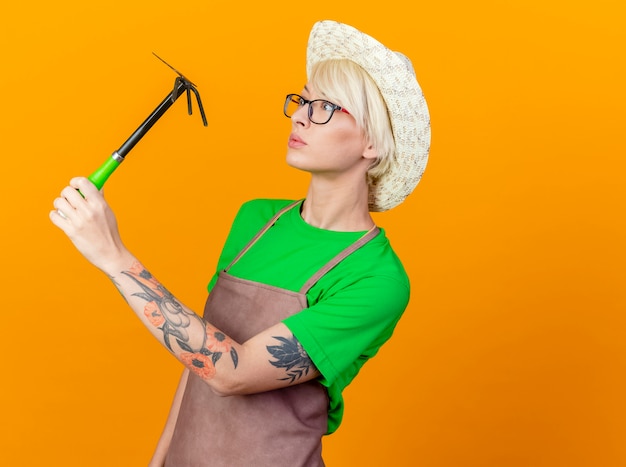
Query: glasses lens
x=292, y=103
x=321, y=111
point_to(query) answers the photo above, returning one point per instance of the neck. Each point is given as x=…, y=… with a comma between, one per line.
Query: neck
x=339, y=207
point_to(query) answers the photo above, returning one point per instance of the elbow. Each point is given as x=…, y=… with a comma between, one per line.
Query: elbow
x=219, y=390
x=224, y=388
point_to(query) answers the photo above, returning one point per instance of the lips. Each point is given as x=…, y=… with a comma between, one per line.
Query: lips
x=295, y=142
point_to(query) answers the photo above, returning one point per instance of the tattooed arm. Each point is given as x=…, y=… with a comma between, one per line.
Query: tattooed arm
x=269, y=360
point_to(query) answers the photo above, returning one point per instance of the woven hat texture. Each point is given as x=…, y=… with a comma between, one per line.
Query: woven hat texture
x=406, y=105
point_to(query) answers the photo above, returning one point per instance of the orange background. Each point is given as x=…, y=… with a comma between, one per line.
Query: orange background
x=512, y=351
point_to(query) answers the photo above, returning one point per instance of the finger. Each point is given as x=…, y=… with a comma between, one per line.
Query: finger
x=80, y=192
x=57, y=215
x=64, y=208
x=58, y=218
x=71, y=203
x=86, y=187
x=72, y=196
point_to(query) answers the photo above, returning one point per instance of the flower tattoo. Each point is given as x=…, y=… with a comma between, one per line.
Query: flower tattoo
x=164, y=312
x=199, y=363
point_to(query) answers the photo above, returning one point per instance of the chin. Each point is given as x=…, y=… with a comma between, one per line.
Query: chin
x=296, y=161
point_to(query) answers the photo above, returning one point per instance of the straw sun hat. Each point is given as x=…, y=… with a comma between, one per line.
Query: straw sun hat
x=408, y=112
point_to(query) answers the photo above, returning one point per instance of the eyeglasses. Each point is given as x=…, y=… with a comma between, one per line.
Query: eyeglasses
x=320, y=111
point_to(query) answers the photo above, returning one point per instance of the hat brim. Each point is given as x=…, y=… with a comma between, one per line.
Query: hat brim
x=406, y=105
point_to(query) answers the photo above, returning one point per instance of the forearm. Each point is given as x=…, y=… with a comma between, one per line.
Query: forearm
x=263, y=362
x=197, y=344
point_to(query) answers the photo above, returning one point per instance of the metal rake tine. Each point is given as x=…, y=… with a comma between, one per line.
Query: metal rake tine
x=200, y=107
x=189, y=110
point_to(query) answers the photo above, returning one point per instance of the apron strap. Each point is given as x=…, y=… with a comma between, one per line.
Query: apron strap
x=269, y=224
x=340, y=257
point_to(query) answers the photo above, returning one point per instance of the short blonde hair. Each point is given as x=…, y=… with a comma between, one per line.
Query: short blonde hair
x=345, y=83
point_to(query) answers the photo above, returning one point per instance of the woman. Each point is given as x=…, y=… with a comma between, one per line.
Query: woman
x=305, y=291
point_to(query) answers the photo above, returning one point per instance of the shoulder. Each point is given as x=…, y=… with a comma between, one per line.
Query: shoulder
x=378, y=261
x=372, y=277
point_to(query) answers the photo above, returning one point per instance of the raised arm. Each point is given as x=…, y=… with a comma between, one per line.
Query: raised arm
x=269, y=360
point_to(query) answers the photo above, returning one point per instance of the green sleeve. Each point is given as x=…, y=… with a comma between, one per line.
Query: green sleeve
x=343, y=331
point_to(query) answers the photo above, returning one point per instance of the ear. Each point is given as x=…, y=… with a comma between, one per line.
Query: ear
x=370, y=152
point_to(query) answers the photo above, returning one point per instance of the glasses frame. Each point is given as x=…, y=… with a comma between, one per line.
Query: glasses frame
x=310, y=109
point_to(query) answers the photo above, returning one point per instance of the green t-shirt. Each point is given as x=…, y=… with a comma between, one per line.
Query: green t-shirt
x=353, y=309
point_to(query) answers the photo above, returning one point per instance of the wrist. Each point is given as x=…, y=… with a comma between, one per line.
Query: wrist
x=118, y=263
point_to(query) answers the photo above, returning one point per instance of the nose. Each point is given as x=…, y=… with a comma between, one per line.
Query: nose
x=301, y=116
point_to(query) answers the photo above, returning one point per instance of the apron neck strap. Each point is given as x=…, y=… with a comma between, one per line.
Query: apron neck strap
x=369, y=235
x=269, y=224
